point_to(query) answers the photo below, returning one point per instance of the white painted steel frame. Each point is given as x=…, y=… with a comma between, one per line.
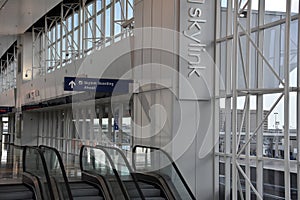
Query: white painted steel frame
x=64, y=47
x=298, y=106
x=233, y=92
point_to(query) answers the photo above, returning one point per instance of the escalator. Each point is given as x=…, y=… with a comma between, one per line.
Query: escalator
x=35, y=183
x=154, y=165
x=16, y=191
x=88, y=188
x=107, y=174
x=136, y=189
x=97, y=162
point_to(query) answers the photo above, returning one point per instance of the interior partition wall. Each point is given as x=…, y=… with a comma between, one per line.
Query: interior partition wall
x=68, y=127
x=257, y=98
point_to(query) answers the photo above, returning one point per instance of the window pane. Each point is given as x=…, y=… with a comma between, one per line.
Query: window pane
x=98, y=5
x=107, y=23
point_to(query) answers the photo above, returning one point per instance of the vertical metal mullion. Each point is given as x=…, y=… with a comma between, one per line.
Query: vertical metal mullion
x=83, y=28
x=103, y=23
x=216, y=103
x=54, y=129
x=92, y=135
x=55, y=43
x=248, y=56
x=228, y=103
x=76, y=136
x=72, y=37
x=234, y=101
x=33, y=47
x=287, y=182
x=7, y=72
x=59, y=130
x=84, y=126
x=94, y=27
x=112, y=19
x=259, y=99
x=46, y=45
x=298, y=108
x=65, y=138
x=61, y=33
x=100, y=132
x=40, y=132
x=49, y=120
x=44, y=127
x=121, y=115
x=109, y=126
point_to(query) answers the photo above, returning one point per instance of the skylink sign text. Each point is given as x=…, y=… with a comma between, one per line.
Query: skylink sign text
x=195, y=29
x=196, y=48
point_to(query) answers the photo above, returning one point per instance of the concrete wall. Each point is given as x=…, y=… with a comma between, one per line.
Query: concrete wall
x=181, y=127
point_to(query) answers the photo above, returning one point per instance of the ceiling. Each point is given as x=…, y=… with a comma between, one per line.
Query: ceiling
x=16, y=16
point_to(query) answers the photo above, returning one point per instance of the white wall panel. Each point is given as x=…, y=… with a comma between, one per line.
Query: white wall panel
x=7, y=98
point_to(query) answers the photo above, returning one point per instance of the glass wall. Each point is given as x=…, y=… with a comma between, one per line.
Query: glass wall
x=79, y=29
x=257, y=56
x=8, y=69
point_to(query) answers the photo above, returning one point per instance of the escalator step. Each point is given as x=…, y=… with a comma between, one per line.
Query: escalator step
x=16, y=195
x=145, y=186
x=85, y=192
x=80, y=185
x=146, y=192
x=131, y=185
x=150, y=198
x=88, y=198
x=13, y=188
x=151, y=192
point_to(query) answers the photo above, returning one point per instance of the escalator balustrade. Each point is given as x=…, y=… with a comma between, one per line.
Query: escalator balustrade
x=76, y=190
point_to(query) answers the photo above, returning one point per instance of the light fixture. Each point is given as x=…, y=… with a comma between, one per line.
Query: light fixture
x=26, y=72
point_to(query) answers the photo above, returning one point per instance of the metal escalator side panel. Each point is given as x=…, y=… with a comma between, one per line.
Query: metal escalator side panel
x=34, y=163
x=60, y=184
x=116, y=151
x=179, y=182
x=100, y=181
x=160, y=182
x=107, y=168
x=33, y=182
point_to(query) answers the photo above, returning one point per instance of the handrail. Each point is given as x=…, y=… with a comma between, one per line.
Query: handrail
x=126, y=196
x=128, y=166
x=62, y=167
x=172, y=162
x=17, y=146
x=44, y=166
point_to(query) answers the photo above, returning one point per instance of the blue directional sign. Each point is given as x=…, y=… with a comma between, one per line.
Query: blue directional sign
x=96, y=85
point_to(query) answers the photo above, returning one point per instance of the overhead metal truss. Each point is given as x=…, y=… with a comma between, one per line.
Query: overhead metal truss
x=241, y=82
x=80, y=28
x=8, y=69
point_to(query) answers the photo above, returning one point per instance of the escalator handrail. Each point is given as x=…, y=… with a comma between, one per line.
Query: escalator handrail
x=50, y=188
x=62, y=167
x=128, y=167
x=172, y=162
x=16, y=146
x=126, y=196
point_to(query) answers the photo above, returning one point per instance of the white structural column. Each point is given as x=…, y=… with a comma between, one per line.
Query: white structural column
x=247, y=100
x=228, y=103
x=298, y=107
x=234, y=101
x=216, y=103
x=287, y=182
x=259, y=101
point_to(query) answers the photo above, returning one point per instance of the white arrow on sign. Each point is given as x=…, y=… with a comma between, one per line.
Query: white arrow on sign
x=72, y=84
